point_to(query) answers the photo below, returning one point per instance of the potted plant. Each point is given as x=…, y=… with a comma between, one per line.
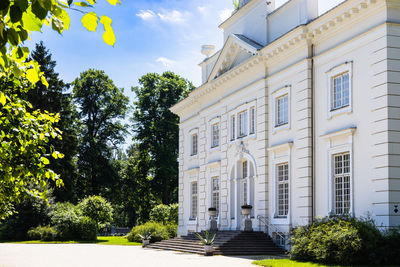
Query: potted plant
x=207, y=241
x=145, y=238
x=246, y=210
x=212, y=211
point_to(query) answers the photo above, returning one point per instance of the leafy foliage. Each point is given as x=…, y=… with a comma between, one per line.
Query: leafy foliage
x=24, y=133
x=102, y=107
x=208, y=239
x=97, y=209
x=156, y=130
x=340, y=240
x=55, y=99
x=158, y=232
x=165, y=213
x=44, y=233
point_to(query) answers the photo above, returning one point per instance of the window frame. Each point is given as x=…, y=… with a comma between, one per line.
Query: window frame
x=252, y=118
x=343, y=175
x=194, y=148
x=215, y=193
x=192, y=195
x=284, y=182
x=285, y=120
x=331, y=75
x=240, y=123
x=215, y=136
x=280, y=93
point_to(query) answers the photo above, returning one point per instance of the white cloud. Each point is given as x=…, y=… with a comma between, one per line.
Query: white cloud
x=225, y=13
x=174, y=16
x=165, y=61
x=146, y=14
x=202, y=9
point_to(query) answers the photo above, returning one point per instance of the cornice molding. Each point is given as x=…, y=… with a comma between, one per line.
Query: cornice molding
x=303, y=33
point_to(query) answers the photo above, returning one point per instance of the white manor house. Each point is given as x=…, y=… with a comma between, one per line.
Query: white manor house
x=298, y=116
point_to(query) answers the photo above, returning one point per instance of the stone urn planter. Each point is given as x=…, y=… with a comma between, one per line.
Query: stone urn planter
x=246, y=211
x=145, y=242
x=213, y=222
x=212, y=212
x=208, y=250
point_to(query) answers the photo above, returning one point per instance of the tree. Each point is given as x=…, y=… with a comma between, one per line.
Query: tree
x=97, y=209
x=55, y=99
x=23, y=155
x=102, y=107
x=156, y=129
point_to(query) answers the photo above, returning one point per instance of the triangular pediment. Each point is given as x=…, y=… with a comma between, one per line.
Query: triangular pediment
x=236, y=50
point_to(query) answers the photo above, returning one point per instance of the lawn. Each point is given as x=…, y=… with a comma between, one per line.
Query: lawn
x=101, y=240
x=291, y=263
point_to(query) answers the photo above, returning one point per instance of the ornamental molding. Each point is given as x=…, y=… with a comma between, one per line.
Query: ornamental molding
x=304, y=33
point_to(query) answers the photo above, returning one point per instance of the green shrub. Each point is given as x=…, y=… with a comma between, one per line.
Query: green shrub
x=342, y=240
x=44, y=233
x=158, y=232
x=165, y=214
x=96, y=208
x=71, y=224
x=172, y=230
x=389, y=248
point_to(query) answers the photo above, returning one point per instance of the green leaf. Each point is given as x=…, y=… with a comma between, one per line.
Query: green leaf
x=22, y=4
x=57, y=25
x=114, y=2
x=108, y=36
x=62, y=15
x=45, y=161
x=30, y=21
x=12, y=37
x=3, y=99
x=39, y=10
x=89, y=21
x=92, y=2
x=32, y=75
x=82, y=4
x=15, y=13
x=23, y=34
x=4, y=4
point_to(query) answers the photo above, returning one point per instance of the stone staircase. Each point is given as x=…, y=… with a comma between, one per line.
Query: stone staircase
x=226, y=243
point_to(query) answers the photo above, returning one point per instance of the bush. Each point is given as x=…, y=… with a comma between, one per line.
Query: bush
x=96, y=208
x=389, y=248
x=165, y=214
x=336, y=240
x=158, y=232
x=44, y=233
x=172, y=230
x=71, y=224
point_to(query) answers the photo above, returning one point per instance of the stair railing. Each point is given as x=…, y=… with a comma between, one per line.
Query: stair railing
x=267, y=223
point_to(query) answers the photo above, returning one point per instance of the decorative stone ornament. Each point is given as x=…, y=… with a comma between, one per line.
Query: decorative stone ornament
x=213, y=222
x=145, y=242
x=248, y=224
x=208, y=250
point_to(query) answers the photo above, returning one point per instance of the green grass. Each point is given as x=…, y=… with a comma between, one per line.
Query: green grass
x=101, y=240
x=291, y=263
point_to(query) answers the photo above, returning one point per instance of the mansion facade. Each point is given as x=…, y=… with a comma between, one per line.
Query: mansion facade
x=298, y=116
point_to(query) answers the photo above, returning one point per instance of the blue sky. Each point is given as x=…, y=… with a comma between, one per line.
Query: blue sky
x=152, y=36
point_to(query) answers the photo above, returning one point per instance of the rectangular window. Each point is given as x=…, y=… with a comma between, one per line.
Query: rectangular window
x=244, y=169
x=340, y=91
x=194, y=144
x=233, y=128
x=282, y=110
x=245, y=193
x=215, y=135
x=341, y=178
x=242, y=124
x=282, y=171
x=215, y=193
x=252, y=120
x=193, y=214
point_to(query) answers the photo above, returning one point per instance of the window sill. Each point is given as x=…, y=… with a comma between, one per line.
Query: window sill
x=339, y=111
x=281, y=127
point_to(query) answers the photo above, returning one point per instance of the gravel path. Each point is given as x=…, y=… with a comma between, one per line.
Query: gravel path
x=87, y=255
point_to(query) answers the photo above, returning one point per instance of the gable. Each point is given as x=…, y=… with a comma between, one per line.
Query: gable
x=237, y=49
